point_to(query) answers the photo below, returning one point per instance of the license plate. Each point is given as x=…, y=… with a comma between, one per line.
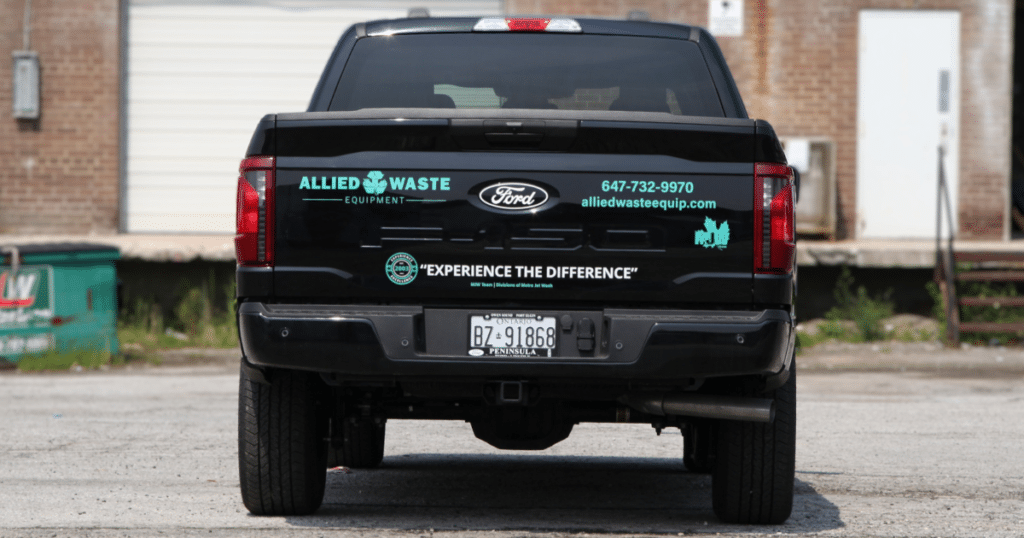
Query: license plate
x=512, y=335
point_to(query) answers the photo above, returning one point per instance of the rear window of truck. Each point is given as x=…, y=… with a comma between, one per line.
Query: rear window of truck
x=528, y=70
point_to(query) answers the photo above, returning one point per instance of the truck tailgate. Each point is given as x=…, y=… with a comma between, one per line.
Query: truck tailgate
x=606, y=216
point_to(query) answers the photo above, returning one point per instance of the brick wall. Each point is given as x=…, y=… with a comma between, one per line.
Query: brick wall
x=60, y=174
x=796, y=66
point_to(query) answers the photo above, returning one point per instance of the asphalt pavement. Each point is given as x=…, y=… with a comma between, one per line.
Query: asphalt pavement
x=899, y=440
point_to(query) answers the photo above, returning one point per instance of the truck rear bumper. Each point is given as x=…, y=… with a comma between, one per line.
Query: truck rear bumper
x=394, y=342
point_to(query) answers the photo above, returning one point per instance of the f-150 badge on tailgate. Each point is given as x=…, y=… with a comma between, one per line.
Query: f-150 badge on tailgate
x=513, y=196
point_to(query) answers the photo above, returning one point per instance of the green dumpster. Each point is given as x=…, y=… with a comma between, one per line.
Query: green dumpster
x=58, y=298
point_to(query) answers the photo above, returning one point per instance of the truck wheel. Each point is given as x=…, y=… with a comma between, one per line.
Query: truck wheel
x=362, y=447
x=281, y=451
x=697, y=443
x=754, y=467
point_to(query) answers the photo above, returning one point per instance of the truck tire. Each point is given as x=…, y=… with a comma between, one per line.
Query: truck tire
x=697, y=448
x=363, y=445
x=754, y=466
x=281, y=447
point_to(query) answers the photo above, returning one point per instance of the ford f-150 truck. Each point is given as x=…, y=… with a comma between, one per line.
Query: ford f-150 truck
x=525, y=224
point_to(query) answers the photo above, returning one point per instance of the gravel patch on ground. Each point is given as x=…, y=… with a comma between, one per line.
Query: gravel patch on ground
x=926, y=357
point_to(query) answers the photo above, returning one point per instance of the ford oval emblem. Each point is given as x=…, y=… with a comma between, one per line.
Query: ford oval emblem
x=513, y=196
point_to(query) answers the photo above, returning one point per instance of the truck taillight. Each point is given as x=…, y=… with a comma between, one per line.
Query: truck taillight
x=254, y=219
x=774, y=239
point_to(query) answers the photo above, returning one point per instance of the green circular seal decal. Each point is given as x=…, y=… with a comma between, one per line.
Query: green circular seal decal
x=401, y=268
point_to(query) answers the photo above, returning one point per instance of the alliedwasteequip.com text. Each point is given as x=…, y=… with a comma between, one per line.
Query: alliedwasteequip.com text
x=644, y=203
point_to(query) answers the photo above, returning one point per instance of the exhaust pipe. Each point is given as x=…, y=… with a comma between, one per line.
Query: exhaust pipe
x=704, y=406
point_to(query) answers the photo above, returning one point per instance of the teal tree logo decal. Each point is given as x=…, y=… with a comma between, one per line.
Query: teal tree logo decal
x=713, y=235
x=374, y=183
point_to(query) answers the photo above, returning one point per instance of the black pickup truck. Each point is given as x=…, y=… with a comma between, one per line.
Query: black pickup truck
x=525, y=224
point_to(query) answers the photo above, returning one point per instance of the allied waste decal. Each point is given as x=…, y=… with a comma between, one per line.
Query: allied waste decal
x=370, y=190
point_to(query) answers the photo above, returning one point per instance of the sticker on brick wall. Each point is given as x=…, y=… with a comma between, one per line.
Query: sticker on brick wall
x=725, y=18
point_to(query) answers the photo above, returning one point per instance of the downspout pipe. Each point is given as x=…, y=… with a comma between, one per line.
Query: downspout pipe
x=26, y=27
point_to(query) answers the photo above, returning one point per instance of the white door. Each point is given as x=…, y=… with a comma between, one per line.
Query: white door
x=908, y=103
x=201, y=73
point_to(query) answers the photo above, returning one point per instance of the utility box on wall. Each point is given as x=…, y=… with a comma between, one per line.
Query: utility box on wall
x=815, y=159
x=58, y=298
x=25, y=94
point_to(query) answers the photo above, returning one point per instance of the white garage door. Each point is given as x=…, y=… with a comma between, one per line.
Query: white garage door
x=200, y=76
